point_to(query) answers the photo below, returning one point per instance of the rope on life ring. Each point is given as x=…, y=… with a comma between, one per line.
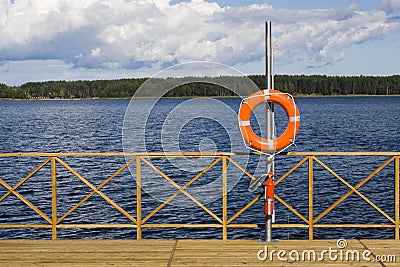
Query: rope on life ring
x=277, y=144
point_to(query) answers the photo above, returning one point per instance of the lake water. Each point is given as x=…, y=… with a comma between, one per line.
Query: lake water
x=327, y=124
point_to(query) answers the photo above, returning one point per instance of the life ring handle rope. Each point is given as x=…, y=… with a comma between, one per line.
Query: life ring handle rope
x=278, y=144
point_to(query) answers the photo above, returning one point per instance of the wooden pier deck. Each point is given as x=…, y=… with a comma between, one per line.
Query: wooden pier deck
x=196, y=253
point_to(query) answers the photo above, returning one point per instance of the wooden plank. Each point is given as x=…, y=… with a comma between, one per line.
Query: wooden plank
x=340, y=153
x=244, y=253
x=125, y=154
x=195, y=154
x=189, y=252
x=85, y=252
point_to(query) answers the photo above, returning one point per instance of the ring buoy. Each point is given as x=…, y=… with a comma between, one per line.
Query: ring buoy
x=265, y=145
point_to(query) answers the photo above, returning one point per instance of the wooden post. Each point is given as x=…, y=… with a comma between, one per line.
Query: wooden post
x=53, y=198
x=138, y=199
x=396, y=197
x=310, y=199
x=224, y=200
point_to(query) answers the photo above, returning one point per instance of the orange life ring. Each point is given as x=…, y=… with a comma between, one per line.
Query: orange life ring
x=255, y=141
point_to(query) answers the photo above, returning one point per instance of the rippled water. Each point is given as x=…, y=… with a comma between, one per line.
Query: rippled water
x=327, y=124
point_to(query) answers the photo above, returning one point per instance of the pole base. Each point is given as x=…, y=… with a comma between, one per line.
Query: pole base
x=267, y=241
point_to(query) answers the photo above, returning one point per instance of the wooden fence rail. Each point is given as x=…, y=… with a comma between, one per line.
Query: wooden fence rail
x=139, y=221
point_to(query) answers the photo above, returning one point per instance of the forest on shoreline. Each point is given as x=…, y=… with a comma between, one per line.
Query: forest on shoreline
x=126, y=88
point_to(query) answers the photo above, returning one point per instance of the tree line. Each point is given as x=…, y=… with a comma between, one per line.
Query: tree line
x=126, y=88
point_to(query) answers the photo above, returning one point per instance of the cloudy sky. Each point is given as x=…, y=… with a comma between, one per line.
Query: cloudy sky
x=93, y=39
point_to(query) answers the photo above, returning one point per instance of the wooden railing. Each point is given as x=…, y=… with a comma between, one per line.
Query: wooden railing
x=56, y=161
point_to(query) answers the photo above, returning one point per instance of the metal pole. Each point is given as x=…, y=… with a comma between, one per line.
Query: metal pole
x=268, y=54
x=270, y=123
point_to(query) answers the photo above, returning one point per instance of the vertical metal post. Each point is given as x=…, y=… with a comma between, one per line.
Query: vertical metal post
x=270, y=123
x=268, y=54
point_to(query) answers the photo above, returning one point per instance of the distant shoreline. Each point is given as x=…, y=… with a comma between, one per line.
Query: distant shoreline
x=188, y=97
x=223, y=86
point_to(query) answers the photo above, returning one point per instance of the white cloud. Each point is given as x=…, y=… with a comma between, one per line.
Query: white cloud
x=116, y=34
x=390, y=5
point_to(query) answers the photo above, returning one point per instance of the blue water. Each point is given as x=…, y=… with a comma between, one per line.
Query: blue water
x=327, y=124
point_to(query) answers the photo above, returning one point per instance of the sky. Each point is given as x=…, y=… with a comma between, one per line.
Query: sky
x=44, y=40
